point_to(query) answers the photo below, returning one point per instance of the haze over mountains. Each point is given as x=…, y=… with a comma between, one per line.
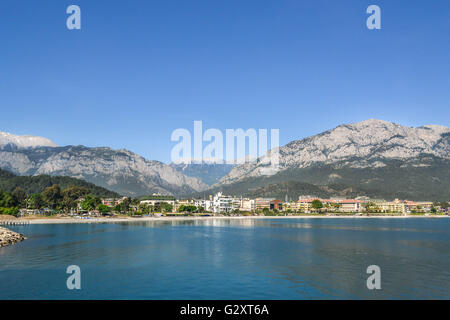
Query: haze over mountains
x=373, y=157
x=208, y=172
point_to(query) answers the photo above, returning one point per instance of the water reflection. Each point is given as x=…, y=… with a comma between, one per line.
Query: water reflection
x=246, y=223
x=350, y=224
x=232, y=259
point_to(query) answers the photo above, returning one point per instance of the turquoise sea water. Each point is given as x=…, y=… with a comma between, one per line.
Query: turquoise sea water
x=231, y=259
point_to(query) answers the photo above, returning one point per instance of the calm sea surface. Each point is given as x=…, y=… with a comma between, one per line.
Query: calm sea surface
x=231, y=259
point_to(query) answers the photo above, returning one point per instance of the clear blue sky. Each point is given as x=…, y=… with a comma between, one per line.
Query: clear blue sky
x=140, y=69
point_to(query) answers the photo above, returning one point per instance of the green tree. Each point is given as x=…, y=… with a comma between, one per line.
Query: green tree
x=36, y=201
x=126, y=204
x=144, y=208
x=52, y=196
x=189, y=209
x=317, y=204
x=10, y=211
x=165, y=207
x=71, y=195
x=19, y=196
x=103, y=208
x=90, y=202
x=6, y=200
x=201, y=210
x=372, y=207
x=118, y=208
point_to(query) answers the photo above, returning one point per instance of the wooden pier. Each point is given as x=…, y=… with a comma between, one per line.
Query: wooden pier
x=14, y=222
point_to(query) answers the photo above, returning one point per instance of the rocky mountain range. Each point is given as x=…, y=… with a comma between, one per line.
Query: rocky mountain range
x=121, y=171
x=372, y=157
x=367, y=144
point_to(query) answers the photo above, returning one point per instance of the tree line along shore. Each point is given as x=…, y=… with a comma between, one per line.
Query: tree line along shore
x=79, y=201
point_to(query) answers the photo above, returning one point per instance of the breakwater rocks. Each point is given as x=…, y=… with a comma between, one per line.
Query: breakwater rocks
x=8, y=237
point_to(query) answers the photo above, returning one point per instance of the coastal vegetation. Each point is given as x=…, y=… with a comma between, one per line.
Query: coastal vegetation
x=24, y=195
x=37, y=184
x=53, y=200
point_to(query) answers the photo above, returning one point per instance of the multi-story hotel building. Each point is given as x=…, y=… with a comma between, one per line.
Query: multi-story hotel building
x=248, y=205
x=222, y=204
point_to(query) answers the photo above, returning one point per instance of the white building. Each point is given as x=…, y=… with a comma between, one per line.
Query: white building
x=206, y=204
x=153, y=202
x=236, y=204
x=351, y=205
x=248, y=205
x=222, y=204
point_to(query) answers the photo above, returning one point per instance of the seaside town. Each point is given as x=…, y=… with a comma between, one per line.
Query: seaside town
x=76, y=202
x=221, y=204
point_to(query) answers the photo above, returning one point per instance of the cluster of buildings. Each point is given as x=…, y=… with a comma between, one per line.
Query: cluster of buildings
x=223, y=204
x=361, y=204
x=226, y=204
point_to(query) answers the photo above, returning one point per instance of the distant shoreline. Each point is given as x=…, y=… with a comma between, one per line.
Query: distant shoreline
x=155, y=219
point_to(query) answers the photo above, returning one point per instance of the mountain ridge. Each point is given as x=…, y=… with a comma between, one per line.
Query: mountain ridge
x=362, y=144
x=121, y=171
x=368, y=156
x=208, y=172
x=24, y=141
x=374, y=158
